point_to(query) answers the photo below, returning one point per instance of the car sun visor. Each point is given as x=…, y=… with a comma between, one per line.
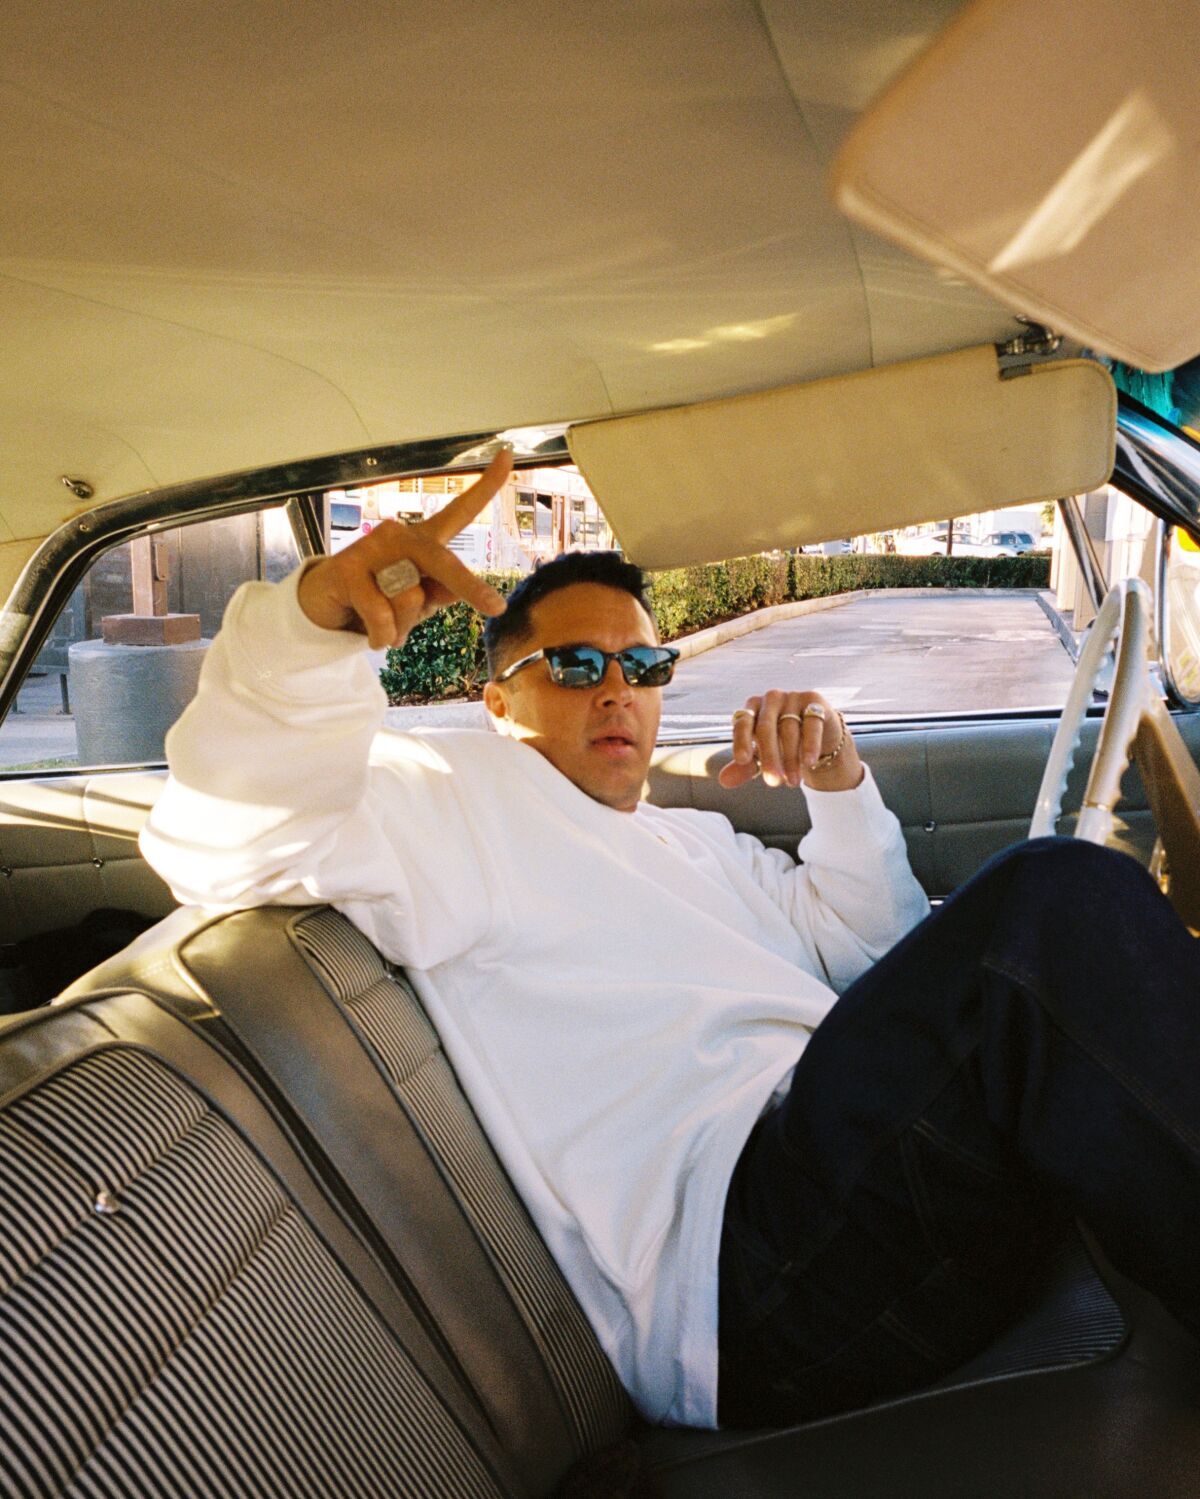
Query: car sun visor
x=919, y=441
x=1047, y=152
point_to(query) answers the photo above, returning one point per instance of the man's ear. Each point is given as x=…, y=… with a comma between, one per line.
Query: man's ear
x=495, y=701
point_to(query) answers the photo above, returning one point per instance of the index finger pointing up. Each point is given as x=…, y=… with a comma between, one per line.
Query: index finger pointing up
x=463, y=509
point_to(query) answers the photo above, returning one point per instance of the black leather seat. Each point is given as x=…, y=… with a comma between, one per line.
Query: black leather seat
x=1071, y=1402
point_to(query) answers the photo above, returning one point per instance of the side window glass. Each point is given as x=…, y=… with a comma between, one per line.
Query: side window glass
x=124, y=655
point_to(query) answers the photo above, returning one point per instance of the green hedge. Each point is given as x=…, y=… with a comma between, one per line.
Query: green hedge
x=689, y=598
x=444, y=657
x=815, y=576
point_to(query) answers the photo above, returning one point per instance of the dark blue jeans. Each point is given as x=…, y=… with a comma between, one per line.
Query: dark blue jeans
x=1028, y=1055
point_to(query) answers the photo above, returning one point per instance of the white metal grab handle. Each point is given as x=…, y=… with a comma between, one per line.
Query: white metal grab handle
x=1125, y=615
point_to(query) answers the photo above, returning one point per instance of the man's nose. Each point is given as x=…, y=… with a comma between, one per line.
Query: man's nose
x=614, y=688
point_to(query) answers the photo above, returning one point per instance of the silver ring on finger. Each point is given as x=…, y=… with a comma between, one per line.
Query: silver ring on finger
x=397, y=577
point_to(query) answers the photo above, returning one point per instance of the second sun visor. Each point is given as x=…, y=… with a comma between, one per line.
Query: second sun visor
x=889, y=447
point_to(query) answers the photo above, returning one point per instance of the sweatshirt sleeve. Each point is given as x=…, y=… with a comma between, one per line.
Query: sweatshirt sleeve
x=853, y=895
x=282, y=790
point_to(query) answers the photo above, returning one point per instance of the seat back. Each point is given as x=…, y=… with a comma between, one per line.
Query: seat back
x=345, y=1046
x=183, y=1309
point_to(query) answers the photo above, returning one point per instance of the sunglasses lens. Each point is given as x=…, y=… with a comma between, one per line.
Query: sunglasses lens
x=647, y=666
x=585, y=665
x=576, y=666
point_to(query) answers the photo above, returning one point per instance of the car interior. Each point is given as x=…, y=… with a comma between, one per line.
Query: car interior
x=769, y=273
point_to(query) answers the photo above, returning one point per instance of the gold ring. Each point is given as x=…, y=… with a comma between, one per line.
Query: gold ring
x=793, y=717
x=815, y=710
x=744, y=713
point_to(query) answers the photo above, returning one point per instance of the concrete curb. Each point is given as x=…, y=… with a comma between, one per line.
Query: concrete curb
x=746, y=624
x=1071, y=638
x=451, y=715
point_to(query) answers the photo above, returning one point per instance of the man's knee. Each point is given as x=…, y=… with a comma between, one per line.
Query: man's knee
x=1071, y=863
x=1049, y=877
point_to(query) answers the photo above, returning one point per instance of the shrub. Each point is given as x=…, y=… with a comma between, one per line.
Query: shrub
x=691, y=598
x=815, y=577
x=443, y=656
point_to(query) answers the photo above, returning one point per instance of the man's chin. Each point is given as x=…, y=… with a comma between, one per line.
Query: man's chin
x=620, y=792
x=617, y=785
x=624, y=803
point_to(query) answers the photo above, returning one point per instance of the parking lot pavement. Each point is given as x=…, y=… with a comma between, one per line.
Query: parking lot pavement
x=870, y=656
x=40, y=735
x=884, y=655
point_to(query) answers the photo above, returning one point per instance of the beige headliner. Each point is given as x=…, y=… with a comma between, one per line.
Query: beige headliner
x=252, y=232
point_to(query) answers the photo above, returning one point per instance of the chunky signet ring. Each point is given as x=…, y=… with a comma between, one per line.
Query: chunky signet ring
x=744, y=713
x=397, y=576
x=816, y=710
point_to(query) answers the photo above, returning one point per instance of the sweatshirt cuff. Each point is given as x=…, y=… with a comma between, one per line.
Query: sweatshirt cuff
x=851, y=815
x=268, y=615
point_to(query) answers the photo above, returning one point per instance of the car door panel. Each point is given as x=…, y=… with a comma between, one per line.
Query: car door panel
x=68, y=846
x=962, y=792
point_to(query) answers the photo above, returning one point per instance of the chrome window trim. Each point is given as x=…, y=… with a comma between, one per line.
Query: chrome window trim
x=1157, y=465
x=881, y=724
x=1085, y=552
x=1162, y=621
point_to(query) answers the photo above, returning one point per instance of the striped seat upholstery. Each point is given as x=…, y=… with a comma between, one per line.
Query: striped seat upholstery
x=175, y=1321
x=343, y=1043
x=389, y=1019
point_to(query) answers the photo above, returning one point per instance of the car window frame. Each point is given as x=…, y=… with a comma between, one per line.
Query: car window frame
x=58, y=565
x=51, y=575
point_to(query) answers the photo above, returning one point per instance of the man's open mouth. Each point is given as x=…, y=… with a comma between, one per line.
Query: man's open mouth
x=615, y=743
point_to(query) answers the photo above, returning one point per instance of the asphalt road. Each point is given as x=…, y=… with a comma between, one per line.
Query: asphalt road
x=873, y=656
x=886, y=655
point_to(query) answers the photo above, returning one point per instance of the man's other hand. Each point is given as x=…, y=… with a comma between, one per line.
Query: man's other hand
x=342, y=592
x=785, y=736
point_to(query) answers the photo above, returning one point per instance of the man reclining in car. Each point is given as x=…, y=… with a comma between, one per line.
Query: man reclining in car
x=772, y=1203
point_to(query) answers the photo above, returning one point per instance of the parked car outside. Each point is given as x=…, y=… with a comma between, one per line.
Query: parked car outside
x=931, y=543
x=1011, y=543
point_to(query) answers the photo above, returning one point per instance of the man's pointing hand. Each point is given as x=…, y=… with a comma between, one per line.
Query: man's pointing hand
x=343, y=592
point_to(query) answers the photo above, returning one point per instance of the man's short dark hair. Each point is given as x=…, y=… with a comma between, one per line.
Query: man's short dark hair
x=504, y=633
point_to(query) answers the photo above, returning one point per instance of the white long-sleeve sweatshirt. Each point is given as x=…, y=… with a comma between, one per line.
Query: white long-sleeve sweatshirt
x=620, y=994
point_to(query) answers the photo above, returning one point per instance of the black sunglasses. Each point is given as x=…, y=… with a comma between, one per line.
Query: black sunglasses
x=585, y=665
